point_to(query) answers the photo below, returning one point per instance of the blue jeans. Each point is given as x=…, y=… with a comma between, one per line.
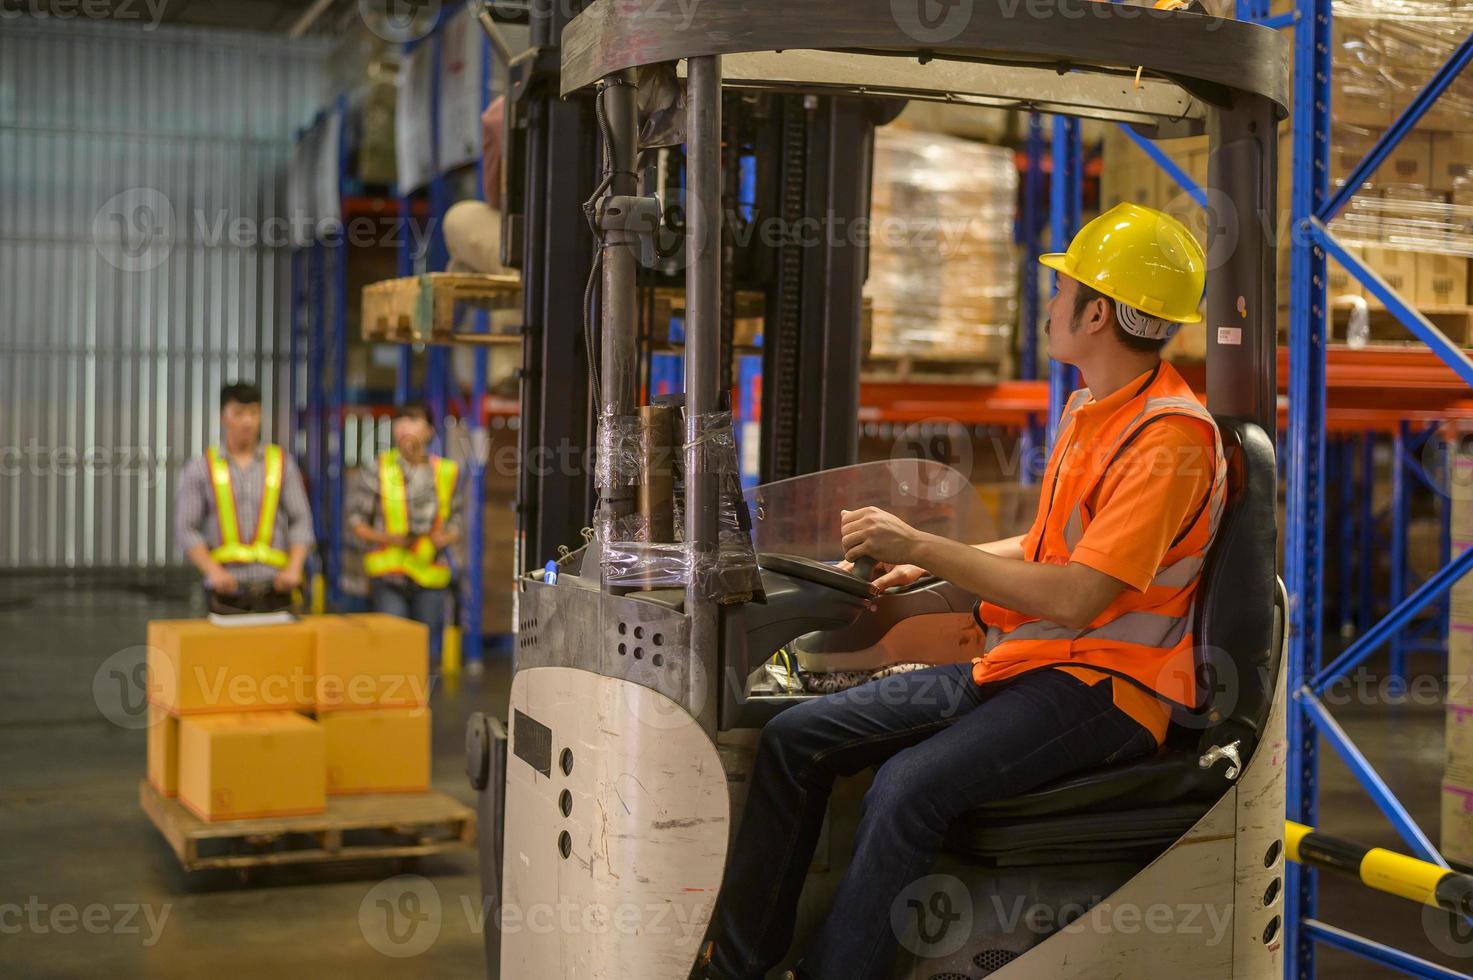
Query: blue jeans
x=942, y=745
x=407, y=600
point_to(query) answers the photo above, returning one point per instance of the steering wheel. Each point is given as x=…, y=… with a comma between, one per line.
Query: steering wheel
x=820, y=573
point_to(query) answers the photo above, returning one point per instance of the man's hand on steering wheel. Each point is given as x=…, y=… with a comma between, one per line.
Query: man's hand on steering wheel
x=882, y=536
x=896, y=575
x=888, y=576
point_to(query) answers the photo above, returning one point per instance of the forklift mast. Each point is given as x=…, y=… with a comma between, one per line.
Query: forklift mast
x=813, y=158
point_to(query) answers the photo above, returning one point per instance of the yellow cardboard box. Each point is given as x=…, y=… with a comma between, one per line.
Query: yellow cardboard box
x=377, y=750
x=371, y=660
x=163, y=751
x=195, y=666
x=251, y=764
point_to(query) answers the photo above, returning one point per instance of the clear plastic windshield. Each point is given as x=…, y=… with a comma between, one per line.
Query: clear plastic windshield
x=800, y=516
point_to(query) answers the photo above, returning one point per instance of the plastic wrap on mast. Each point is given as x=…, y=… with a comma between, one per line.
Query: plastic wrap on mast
x=630, y=448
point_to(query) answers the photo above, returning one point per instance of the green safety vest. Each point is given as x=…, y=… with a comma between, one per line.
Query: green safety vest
x=233, y=551
x=420, y=561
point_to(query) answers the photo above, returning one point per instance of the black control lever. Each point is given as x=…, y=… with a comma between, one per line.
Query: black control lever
x=864, y=568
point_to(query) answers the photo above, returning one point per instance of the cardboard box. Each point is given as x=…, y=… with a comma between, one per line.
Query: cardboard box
x=1452, y=160
x=1356, y=105
x=377, y=750
x=1460, y=491
x=1129, y=175
x=371, y=660
x=1191, y=156
x=163, y=751
x=1188, y=346
x=1460, y=598
x=195, y=666
x=1359, y=97
x=1338, y=281
x=1410, y=162
x=1348, y=147
x=1442, y=280
x=251, y=764
x=1460, y=667
x=1459, y=740
x=1457, y=822
x=1397, y=267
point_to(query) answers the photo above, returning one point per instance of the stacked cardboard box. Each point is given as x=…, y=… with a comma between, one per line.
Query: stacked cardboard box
x=1457, y=782
x=230, y=733
x=224, y=734
x=942, y=264
x=1412, y=222
x=1407, y=218
x=372, y=702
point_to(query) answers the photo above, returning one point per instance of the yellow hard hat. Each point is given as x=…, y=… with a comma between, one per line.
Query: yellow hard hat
x=1141, y=257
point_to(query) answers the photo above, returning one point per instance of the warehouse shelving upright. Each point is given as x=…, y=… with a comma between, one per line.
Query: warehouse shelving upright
x=1313, y=207
x=319, y=348
x=438, y=388
x=319, y=334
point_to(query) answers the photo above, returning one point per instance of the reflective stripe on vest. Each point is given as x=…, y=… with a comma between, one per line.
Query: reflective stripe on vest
x=1144, y=636
x=420, y=562
x=232, y=551
x=1155, y=408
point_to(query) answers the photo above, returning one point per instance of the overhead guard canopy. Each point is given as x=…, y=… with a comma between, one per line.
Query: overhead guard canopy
x=1078, y=57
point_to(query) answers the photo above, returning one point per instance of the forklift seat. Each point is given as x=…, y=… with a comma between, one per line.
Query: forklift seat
x=1140, y=807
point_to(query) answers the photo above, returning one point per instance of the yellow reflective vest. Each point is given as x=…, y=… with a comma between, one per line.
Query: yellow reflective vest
x=231, y=550
x=420, y=562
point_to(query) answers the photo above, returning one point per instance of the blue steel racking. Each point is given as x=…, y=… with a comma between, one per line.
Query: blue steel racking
x=1065, y=205
x=325, y=347
x=317, y=269
x=1313, y=207
x=439, y=385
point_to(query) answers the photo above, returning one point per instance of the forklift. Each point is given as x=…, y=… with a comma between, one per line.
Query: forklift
x=609, y=795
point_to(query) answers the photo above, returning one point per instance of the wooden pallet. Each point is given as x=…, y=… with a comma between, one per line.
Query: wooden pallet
x=1455, y=322
x=978, y=370
x=353, y=828
x=424, y=308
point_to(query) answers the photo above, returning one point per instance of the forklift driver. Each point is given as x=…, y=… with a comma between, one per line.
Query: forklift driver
x=1087, y=619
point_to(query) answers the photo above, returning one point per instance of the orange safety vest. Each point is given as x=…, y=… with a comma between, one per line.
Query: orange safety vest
x=1144, y=637
x=420, y=562
x=231, y=550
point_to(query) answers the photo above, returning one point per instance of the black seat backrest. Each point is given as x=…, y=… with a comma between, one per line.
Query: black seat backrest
x=1236, y=621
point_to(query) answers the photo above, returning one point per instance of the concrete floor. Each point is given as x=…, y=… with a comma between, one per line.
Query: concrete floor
x=88, y=888
x=72, y=834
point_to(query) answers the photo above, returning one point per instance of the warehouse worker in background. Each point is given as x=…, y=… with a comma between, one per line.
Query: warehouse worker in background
x=242, y=516
x=408, y=512
x=1088, y=622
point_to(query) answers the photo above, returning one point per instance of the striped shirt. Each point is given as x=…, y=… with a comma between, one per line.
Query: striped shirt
x=197, y=521
x=366, y=508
